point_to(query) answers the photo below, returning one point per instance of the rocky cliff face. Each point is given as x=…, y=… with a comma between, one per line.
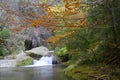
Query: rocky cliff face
x=9, y=19
x=15, y=4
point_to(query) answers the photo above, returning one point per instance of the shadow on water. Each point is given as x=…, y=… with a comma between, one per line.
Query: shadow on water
x=55, y=72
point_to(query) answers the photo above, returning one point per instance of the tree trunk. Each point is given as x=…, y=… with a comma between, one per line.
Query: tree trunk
x=114, y=30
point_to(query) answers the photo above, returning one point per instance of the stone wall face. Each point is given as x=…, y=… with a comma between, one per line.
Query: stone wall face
x=13, y=4
x=7, y=63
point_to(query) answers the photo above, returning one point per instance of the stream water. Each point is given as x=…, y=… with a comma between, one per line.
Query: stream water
x=54, y=72
x=42, y=69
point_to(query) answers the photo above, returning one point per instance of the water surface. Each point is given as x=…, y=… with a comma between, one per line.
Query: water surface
x=33, y=73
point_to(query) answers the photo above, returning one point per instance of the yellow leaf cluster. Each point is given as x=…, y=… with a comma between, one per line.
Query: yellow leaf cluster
x=56, y=9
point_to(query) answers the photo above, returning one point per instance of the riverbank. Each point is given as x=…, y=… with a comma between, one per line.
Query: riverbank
x=94, y=72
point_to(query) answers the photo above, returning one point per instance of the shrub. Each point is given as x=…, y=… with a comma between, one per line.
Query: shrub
x=25, y=62
x=4, y=34
x=62, y=53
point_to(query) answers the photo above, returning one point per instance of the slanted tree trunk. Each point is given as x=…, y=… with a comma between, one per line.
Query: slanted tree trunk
x=114, y=30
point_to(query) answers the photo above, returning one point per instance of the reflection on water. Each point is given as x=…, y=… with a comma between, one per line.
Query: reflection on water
x=32, y=73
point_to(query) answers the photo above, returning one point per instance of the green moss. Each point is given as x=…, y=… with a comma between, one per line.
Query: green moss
x=25, y=62
x=4, y=33
x=83, y=72
x=33, y=55
x=1, y=57
x=78, y=73
x=14, y=51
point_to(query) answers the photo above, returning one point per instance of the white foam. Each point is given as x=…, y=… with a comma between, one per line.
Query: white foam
x=44, y=61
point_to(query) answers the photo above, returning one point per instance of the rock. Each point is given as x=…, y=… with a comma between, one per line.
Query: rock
x=13, y=60
x=25, y=62
x=8, y=63
x=10, y=57
x=55, y=60
x=35, y=56
x=38, y=51
x=21, y=56
x=1, y=57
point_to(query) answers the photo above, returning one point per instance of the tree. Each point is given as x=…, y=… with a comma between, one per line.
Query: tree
x=100, y=19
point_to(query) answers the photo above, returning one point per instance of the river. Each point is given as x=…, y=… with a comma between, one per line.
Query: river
x=54, y=72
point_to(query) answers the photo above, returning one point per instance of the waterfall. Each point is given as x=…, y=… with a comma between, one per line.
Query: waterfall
x=43, y=61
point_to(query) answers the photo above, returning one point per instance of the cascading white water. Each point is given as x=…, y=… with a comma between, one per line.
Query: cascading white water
x=45, y=60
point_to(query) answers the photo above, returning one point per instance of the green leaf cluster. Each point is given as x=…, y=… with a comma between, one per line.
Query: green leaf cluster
x=4, y=34
x=25, y=62
x=61, y=51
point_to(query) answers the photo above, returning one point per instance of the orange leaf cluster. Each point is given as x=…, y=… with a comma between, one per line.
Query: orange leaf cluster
x=75, y=13
x=72, y=7
x=57, y=38
x=112, y=45
x=19, y=28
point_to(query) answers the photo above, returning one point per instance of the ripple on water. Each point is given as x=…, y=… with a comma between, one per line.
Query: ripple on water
x=33, y=73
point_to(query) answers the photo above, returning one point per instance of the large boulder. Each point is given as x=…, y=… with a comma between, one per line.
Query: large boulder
x=43, y=51
x=21, y=56
x=55, y=60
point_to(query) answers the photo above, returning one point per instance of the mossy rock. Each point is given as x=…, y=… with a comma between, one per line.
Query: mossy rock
x=34, y=56
x=1, y=57
x=25, y=62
